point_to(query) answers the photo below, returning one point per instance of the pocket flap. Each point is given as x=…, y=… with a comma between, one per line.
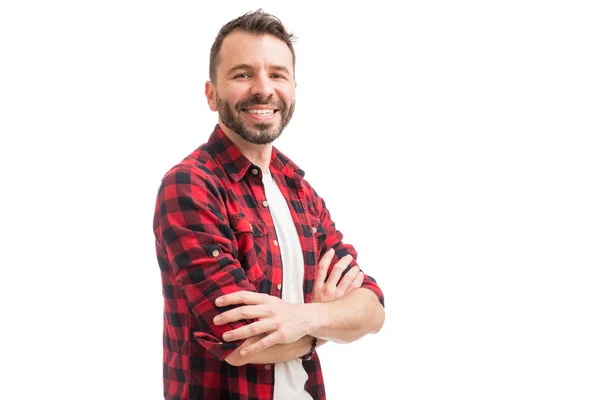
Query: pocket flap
x=241, y=224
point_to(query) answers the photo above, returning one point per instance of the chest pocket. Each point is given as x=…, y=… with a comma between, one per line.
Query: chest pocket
x=252, y=248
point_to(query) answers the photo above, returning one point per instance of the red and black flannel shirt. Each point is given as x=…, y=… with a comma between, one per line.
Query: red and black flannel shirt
x=214, y=235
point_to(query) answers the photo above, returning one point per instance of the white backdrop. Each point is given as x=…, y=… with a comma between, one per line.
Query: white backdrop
x=455, y=143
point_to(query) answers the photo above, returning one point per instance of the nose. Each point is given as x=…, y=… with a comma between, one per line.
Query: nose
x=262, y=86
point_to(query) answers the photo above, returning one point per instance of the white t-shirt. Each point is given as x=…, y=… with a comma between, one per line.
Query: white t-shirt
x=290, y=376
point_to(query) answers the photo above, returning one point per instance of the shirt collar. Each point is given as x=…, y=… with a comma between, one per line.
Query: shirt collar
x=237, y=165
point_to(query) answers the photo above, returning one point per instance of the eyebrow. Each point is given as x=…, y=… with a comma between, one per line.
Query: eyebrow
x=249, y=67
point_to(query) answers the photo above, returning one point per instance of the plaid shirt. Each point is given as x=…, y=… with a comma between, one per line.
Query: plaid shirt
x=214, y=235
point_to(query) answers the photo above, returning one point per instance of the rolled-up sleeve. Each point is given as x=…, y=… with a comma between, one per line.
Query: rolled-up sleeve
x=196, y=238
x=333, y=238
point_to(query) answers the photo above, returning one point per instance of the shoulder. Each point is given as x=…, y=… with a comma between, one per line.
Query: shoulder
x=198, y=169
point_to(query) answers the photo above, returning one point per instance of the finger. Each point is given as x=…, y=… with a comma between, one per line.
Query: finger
x=248, y=331
x=337, y=270
x=241, y=297
x=240, y=313
x=324, y=263
x=347, y=279
x=261, y=345
x=357, y=282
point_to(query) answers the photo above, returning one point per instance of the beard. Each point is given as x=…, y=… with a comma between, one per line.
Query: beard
x=257, y=133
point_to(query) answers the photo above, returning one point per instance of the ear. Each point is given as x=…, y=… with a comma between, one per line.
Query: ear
x=211, y=95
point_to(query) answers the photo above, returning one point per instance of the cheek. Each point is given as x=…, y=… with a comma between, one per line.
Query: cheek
x=287, y=94
x=234, y=93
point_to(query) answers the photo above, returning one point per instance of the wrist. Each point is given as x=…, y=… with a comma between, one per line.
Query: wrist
x=320, y=316
x=311, y=352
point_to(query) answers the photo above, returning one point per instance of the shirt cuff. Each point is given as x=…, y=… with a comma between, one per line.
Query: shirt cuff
x=215, y=347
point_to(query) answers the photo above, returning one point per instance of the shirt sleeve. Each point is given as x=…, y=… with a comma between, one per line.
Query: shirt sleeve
x=193, y=232
x=333, y=238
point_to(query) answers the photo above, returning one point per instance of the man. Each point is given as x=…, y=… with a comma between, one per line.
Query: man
x=255, y=274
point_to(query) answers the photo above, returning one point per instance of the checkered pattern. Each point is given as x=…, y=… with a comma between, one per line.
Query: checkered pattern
x=214, y=235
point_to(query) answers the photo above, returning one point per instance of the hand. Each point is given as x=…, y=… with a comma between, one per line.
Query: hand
x=280, y=321
x=335, y=288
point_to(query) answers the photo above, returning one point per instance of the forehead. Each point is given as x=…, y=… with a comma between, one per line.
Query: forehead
x=256, y=50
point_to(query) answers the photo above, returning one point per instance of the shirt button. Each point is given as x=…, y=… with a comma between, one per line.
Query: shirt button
x=267, y=367
x=254, y=171
x=314, y=229
x=215, y=253
x=279, y=286
x=266, y=203
x=275, y=243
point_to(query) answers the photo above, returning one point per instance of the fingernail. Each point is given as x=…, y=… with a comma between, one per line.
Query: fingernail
x=217, y=319
x=226, y=336
x=244, y=352
x=219, y=300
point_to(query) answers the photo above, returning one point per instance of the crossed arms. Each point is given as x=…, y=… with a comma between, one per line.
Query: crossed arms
x=195, y=240
x=343, y=312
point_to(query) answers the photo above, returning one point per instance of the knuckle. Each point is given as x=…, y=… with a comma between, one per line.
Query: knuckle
x=283, y=335
x=252, y=330
x=351, y=275
x=260, y=345
x=341, y=264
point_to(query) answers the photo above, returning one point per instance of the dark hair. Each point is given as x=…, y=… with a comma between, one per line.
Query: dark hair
x=258, y=23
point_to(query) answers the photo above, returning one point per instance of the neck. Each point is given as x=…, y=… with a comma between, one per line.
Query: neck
x=259, y=154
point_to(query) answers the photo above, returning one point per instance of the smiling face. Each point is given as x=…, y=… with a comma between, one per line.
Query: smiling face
x=254, y=92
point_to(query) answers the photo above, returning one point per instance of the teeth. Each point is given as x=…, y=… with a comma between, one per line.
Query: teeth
x=260, y=112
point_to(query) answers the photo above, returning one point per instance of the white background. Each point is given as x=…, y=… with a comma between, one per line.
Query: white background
x=455, y=143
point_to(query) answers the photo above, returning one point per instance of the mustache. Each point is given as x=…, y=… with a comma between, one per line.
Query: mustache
x=255, y=101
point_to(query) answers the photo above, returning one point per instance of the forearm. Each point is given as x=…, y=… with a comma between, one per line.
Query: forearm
x=273, y=354
x=348, y=318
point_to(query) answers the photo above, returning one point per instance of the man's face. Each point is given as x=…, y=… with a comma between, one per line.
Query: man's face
x=255, y=89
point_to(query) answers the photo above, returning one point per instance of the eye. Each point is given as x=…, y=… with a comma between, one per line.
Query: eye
x=278, y=76
x=242, y=75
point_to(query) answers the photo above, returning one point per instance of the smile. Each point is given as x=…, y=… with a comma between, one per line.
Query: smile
x=261, y=112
